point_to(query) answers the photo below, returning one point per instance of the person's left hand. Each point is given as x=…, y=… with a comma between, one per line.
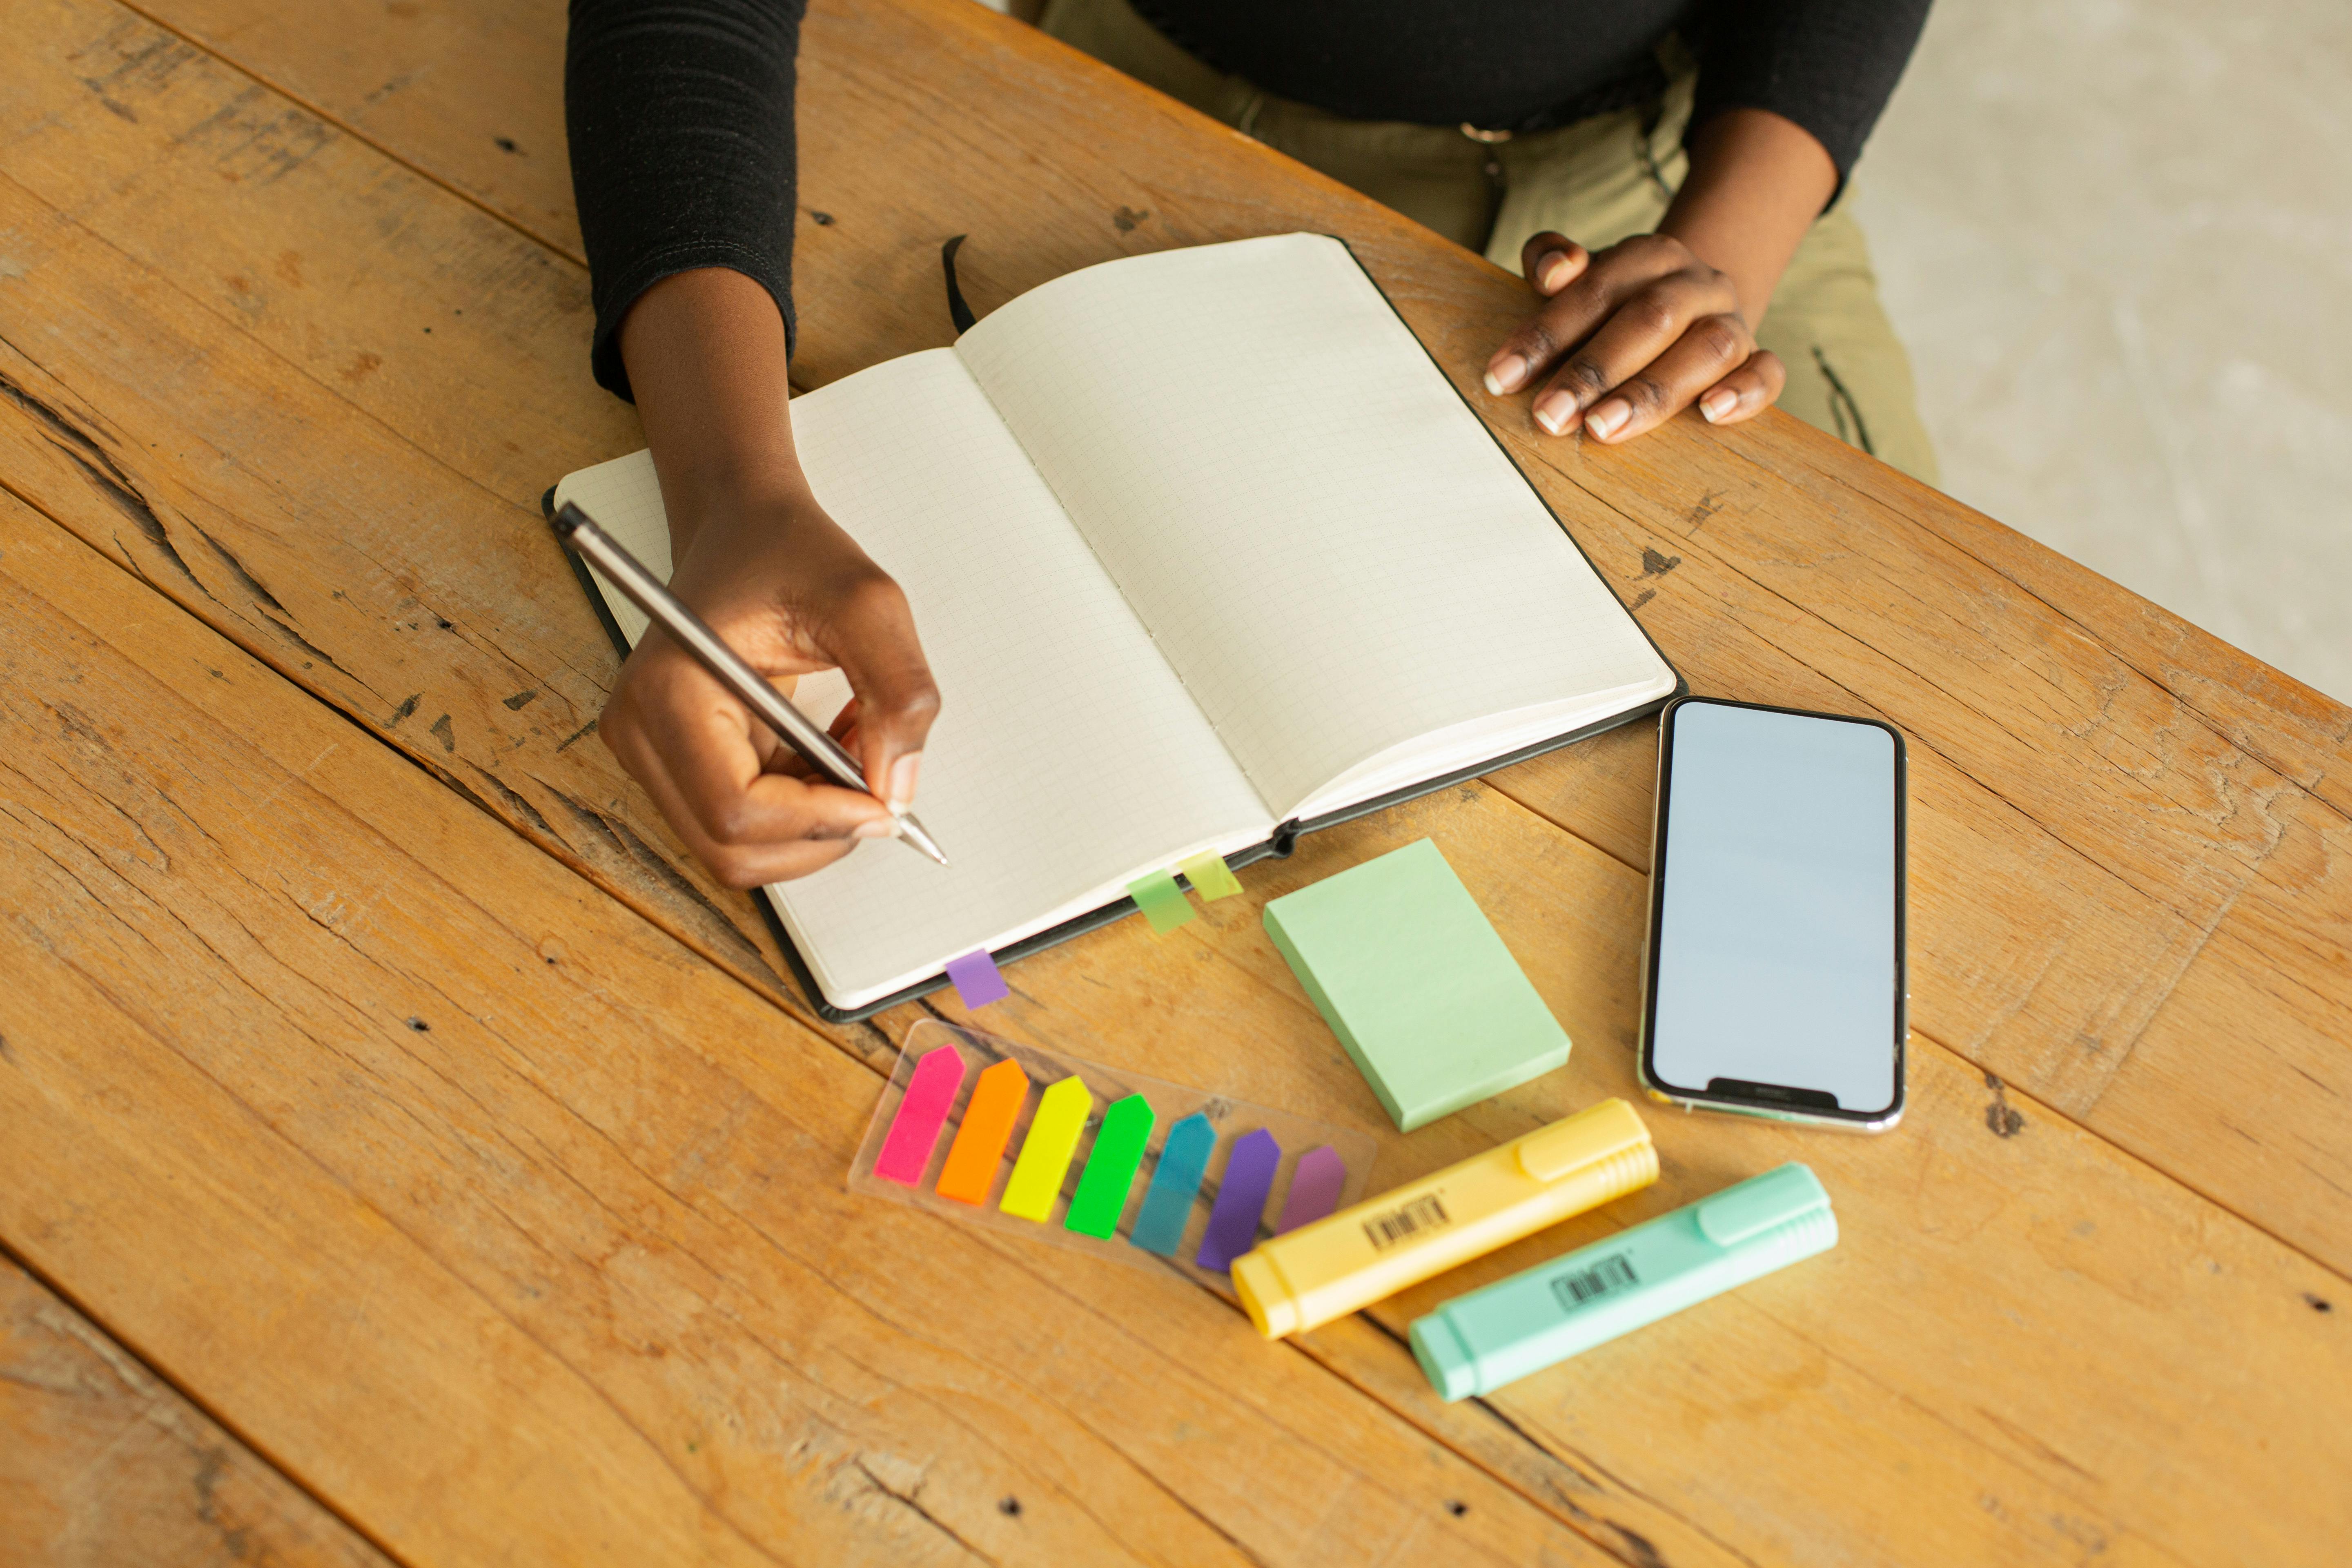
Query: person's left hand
x=1631, y=337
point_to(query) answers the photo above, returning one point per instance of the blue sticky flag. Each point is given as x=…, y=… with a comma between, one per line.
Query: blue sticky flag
x=1183, y=1160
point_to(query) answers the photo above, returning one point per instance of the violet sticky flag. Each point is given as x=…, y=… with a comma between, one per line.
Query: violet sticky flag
x=1101, y=1196
x=1240, y=1200
x=976, y=980
x=1168, y=1204
x=915, y=1129
x=1037, y=1179
x=1314, y=1188
x=1163, y=903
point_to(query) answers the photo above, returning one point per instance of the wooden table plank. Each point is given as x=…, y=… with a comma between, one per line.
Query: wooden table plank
x=106, y=1466
x=434, y=82
x=446, y=88
x=2081, y=832
x=547, y=1214
x=506, y=1219
x=186, y=409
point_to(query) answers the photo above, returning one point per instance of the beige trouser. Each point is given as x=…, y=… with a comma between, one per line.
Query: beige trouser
x=1597, y=181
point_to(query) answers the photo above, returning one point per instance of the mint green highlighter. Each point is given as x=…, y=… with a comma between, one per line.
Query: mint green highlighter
x=1478, y=1342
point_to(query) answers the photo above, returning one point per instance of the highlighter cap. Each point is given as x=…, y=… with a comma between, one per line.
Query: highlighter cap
x=1759, y=1203
x=1610, y=1130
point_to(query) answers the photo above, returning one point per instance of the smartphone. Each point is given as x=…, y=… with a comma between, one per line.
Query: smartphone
x=1774, y=978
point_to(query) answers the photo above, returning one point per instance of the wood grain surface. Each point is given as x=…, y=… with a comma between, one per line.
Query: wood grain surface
x=2089, y=843
x=374, y=1078
x=106, y=1466
x=431, y=1166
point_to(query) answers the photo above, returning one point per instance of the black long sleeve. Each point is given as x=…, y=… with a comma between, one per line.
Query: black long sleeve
x=1828, y=65
x=1525, y=65
x=680, y=118
x=680, y=111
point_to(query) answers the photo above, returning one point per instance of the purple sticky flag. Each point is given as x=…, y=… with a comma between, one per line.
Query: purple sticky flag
x=906, y=1147
x=977, y=983
x=1241, y=1201
x=1314, y=1188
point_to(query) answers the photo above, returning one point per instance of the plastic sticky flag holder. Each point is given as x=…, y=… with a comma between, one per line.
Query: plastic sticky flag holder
x=1033, y=1143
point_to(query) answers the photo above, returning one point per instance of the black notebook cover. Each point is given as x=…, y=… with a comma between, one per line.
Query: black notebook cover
x=1285, y=838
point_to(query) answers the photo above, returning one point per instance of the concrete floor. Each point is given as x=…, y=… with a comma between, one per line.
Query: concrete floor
x=2116, y=235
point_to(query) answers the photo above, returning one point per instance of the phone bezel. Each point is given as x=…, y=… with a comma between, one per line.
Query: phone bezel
x=1854, y=1121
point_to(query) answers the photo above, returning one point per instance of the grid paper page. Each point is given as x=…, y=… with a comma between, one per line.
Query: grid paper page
x=1327, y=545
x=624, y=498
x=1067, y=758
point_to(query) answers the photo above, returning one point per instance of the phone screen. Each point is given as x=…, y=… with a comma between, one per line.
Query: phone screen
x=1776, y=935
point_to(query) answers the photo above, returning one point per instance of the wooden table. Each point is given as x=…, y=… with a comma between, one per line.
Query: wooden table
x=406, y=1152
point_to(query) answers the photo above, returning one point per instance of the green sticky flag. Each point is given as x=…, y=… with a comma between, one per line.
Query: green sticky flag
x=1211, y=877
x=1101, y=1196
x=1163, y=903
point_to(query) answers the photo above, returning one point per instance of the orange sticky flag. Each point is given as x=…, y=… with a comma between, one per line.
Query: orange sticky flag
x=988, y=1117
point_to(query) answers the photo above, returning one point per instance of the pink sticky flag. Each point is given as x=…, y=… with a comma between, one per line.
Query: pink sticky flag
x=977, y=983
x=1314, y=1188
x=915, y=1129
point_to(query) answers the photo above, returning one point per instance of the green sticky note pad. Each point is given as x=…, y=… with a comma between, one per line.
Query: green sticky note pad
x=1403, y=965
x=1163, y=903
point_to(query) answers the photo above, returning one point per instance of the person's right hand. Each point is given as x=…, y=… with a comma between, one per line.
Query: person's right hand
x=783, y=586
x=758, y=559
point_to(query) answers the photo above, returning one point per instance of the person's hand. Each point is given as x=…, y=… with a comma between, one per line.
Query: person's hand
x=781, y=583
x=758, y=559
x=1630, y=337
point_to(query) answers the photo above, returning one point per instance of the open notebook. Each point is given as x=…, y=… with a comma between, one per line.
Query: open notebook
x=1204, y=552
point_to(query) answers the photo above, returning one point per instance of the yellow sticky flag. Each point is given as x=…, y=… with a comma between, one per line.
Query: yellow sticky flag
x=1211, y=877
x=1037, y=1179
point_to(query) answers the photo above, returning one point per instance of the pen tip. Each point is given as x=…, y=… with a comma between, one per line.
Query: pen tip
x=914, y=833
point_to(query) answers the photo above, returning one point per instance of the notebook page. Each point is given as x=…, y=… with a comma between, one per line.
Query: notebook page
x=624, y=498
x=1068, y=759
x=1328, y=546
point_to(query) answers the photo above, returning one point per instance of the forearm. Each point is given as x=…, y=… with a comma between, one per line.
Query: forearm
x=707, y=356
x=679, y=115
x=1756, y=182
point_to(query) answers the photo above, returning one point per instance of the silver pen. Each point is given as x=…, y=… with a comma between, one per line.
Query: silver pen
x=800, y=732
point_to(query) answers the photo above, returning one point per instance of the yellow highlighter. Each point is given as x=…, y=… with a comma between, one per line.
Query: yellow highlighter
x=1307, y=1276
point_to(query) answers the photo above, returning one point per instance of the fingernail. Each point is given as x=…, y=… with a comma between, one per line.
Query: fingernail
x=902, y=780
x=1506, y=374
x=1718, y=403
x=1604, y=420
x=1552, y=271
x=1555, y=412
x=877, y=828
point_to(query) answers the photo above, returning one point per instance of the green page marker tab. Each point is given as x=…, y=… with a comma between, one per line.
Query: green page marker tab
x=1211, y=877
x=1163, y=903
x=1110, y=1170
x=1037, y=1180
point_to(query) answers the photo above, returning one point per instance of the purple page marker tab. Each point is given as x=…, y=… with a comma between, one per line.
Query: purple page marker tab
x=1314, y=1188
x=906, y=1147
x=1241, y=1201
x=976, y=981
